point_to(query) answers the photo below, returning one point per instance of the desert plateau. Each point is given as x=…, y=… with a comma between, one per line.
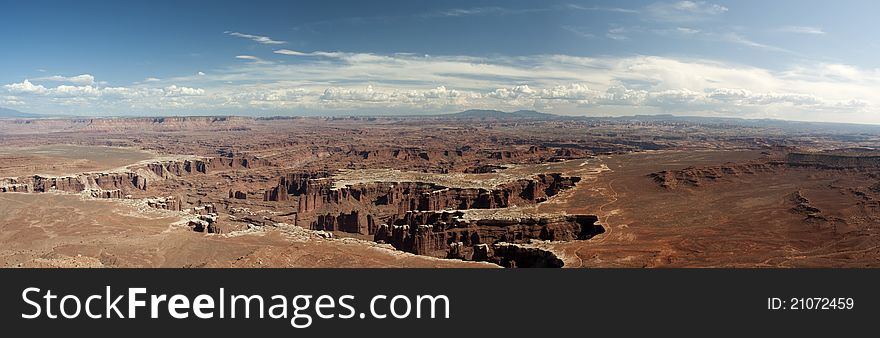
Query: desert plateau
x=473, y=189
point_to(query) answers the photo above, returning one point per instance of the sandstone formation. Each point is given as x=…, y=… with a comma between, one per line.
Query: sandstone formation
x=167, y=169
x=511, y=255
x=862, y=160
x=165, y=203
x=436, y=233
x=695, y=177
x=360, y=208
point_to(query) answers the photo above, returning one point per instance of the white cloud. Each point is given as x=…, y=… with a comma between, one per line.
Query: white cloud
x=601, y=9
x=252, y=58
x=621, y=95
x=25, y=87
x=84, y=79
x=576, y=93
x=472, y=11
x=201, y=73
x=345, y=94
x=174, y=90
x=617, y=33
x=742, y=40
x=517, y=92
x=407, y=83
x=803, y=30
x=257, y=38
x=75, y=91
x=291, y=52
x=686, y=30
x=315, y=53
x=152, y=79
x=481, y=11
x=675, y=98
x=579, y=31
x=88, y=99
x=10, y=100
x=683, y=11
x=745, y=96
x=700, y=34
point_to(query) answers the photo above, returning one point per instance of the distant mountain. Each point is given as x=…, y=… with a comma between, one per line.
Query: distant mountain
x=783, y=125
x=500, y=115
x=10, y=113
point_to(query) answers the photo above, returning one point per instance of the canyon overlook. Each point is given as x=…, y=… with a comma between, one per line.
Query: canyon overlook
x=434, y=192
x=379, y=208
x=417, y=216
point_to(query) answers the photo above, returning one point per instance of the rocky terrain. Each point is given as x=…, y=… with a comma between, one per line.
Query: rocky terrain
x=471, y=189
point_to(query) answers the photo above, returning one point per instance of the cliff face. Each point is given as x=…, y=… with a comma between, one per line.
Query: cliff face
x=293, y=184
x=698, y=176
x=512, y=255
x=359, y=208
x=437, y=233
x=139, y=178
x=167, y=169
x=45, y=184
x=353, y=222
x=136, y=124
x=406, y=154
x=446, y=159
x=834, y=161
x=97, y=181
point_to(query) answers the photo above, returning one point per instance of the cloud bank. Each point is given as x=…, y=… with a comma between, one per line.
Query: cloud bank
x=320, y=81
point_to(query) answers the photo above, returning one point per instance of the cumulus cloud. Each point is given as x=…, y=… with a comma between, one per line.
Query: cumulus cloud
x=75, y=91
x=346, y=94
x=87, y=99
x=10, y=100
x=174, y=90
x=675, y=98
x=372, y=94
x=520, y=91
x=564, y=84
x=25, y=87
x=745, y=96
x=573, y=93
x=257, y=38
x=84, y=79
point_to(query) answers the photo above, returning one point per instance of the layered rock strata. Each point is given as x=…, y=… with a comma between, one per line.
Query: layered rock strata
x=444, y=233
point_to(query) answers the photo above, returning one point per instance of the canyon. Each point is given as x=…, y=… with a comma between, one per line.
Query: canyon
x=436, y=191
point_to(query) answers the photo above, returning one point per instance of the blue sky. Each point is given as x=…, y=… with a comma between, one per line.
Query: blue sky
x=804, y=60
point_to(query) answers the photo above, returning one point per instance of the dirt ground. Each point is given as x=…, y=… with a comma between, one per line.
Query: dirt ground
x=746, y=221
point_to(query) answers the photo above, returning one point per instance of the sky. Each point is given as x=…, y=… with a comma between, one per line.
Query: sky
x=797, y=60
